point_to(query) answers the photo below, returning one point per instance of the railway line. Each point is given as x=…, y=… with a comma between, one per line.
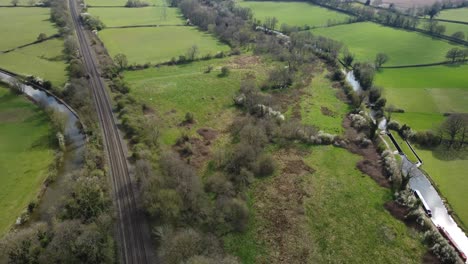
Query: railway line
x=132, y=235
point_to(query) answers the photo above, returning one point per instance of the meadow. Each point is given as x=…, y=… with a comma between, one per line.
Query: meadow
x=117, y=17
x=459, y=14
x=172, y=91
x=367, y=39
x=25, y=154
x=142, y=45
x=449, y=173
x=295, y=13
x=43, y=59
x=20, y=26
x=122, y=2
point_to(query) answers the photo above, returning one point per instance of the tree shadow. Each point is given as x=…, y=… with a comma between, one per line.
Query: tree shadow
x=445, y=154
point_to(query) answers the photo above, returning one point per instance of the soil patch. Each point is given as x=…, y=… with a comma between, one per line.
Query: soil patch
x=207, y=133
x=242, y=62
x=430, y=258
x=327, y=112
x=371, y=164
x=279, y=203
x=194, y=151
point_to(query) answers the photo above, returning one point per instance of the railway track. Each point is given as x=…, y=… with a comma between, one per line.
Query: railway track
x=132, y=231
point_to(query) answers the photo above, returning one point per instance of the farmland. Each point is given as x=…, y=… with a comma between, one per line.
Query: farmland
x=367, y=39
x=460, y=14
x=25, y=154
x=42, y=59
x=295, y=13
x=161, y=44
x=117, y=17
x=20, y=26
x=121, y=3
x=450, y=28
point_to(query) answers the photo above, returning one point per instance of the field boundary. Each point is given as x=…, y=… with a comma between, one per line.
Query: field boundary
x=104, y=6
x=424, y=65
x=450, y=21
x=142, y=26
x=31, y=43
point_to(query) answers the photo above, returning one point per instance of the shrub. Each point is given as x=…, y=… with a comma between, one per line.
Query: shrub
x=264, y=166
x=219, y=184
x=393, y=125
x=224, y=71
x=136, y=3
x=189, y=118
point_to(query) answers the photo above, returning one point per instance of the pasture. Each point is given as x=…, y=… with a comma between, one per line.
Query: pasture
x=117, y=17
x=172, y=91
x=25, y=154
x=43, y=60
x=20, y=26
x=122, y=2
x=449, y=173
x=367, y=39
x=450, y=28
x=295, y=13
x=459, y=14
x=142, y=45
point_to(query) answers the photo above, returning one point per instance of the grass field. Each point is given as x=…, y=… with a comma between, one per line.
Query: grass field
x=21, y=26
x=459, y=14
x=295, y=13
x=117, y=17
x=43, y=60
x=175, y=90
x=450, y=28
x=451, y=178
x=142, y=45
x=347, y=218
x=121, y=2
x=25, y=154
x=367, y=39
x=425, y=93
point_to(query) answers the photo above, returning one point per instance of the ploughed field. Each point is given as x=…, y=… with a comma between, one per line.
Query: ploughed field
x=25, y=154
x=295, y=13
x=403, y=47
x=21, y=26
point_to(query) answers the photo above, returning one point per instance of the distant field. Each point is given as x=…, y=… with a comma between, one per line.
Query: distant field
x=142, y=45
x=294, y=13
x=116, y=16
x=426, y=91
x=451, y=178
x=175, y=90
x=20, y=26
x=25, y=155
x=121, y=2
x=43, y=60
x=367, y=39
x=450, y=28
x=459, y=14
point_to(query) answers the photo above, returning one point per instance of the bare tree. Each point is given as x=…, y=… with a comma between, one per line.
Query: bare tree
x=121, y=61
x=380, y=59
x=453, y=126
x=192, y=52
x=458, y=35
x=453, y=54
x=14, y=2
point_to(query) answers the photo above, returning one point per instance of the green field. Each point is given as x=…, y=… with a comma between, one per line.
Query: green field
x=142, y=45
x=347, y=218
x=175, y=90
x=121, y=2
x=451, y=178
x=21, y=26
x=450, y=28
x=459, y=14
x=43, y=60
x=367, y=39
x=117, y=17
x=425, y=93
x=295, y=13
x=25, y=154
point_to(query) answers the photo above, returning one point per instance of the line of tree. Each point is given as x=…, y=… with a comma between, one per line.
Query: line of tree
x=457, y=54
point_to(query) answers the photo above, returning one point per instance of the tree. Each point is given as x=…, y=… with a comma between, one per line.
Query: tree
x=439, y=30
x=41, y=37
x=434, y=10
x=192, y=52
x=459, y=35
x=380, y=59
x=121, y=61
x=14, y=2
x=348, y=59
x=453, y=54
x=453, y=126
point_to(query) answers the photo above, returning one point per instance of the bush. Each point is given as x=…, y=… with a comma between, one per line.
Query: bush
x=136, y=3
x=235, y=213
x=219, y=184
x=189, y=118
x=264, y=166
x=393, y=125
x=225, y=71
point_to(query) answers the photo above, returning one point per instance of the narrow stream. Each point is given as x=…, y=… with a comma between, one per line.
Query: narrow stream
x=419, y=181
x=73, y=154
